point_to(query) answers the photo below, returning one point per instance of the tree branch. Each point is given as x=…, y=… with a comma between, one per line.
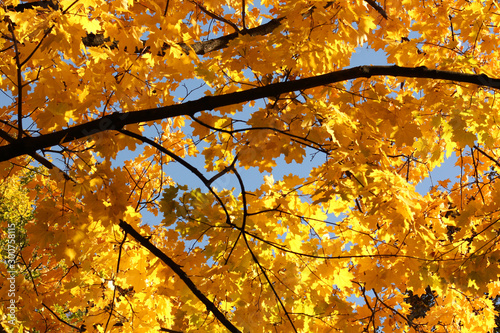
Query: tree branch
x=164, y=330
x=278, y=298
x=200, y=48
x=19, y=84
x=486, y=155
x=395, y=311
x=196, y=172
x=377, y=7
x=112, y=306
x=127, y=228
x=32, y=5
x=117, y=121
x=215, y=16
x=40, y=159
x=61, y=320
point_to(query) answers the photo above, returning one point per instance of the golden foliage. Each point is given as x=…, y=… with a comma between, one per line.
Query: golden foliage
x=102, y=98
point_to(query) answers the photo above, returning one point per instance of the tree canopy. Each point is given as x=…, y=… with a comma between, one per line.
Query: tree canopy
x=331, y=235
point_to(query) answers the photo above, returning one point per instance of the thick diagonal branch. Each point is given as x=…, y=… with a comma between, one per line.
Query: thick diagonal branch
x=180, y=273
x=116, y=121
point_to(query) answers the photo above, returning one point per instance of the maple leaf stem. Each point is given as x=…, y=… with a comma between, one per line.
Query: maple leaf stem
x=180, y=273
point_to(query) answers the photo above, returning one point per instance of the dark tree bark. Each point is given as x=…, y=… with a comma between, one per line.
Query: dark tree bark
x=116, y=121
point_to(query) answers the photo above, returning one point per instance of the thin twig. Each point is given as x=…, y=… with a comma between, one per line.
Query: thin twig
x=216, y=17
x=113, y=280
x=59, y=318
x=245, y=211
x=394, y=310
x=166, y=8
x=69, y=7
x=243, y=10
x=256, y=260
x=476, y=174
x=488, y=156
x=19, y=83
